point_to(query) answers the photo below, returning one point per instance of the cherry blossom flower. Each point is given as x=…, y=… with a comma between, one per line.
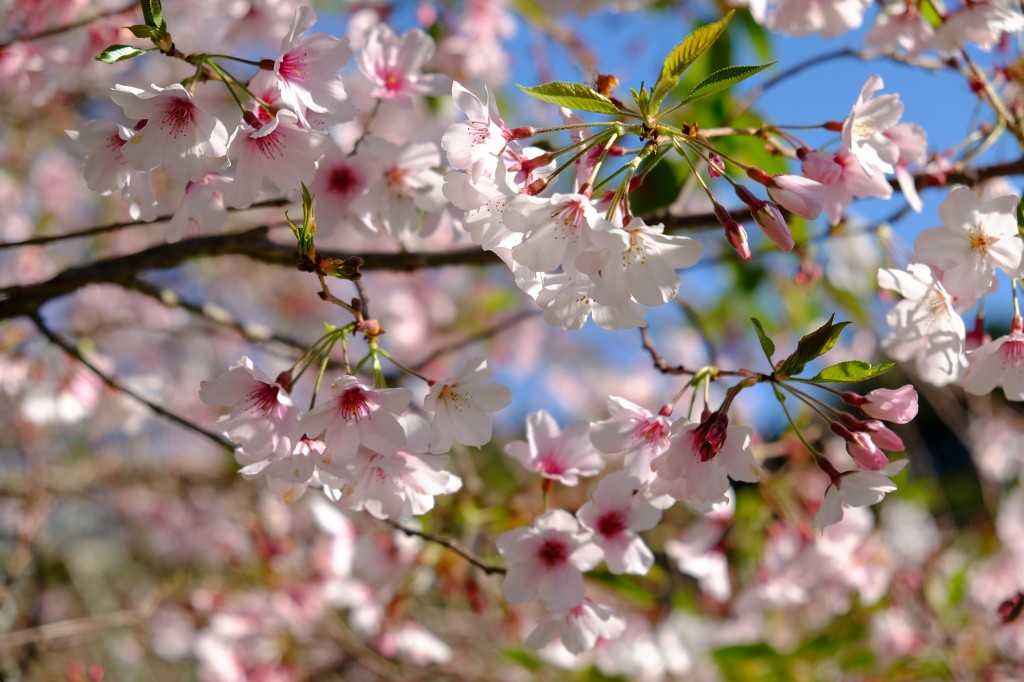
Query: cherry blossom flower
x=843, y=179
x=799, y=195
x=484, y=198
x=107, y=170
x=697, y=554
x=393, y=65
x=279, y=151
x=399, y=484
x=641, y=262
x=900, y=26
x=635, y=431
x=568, y=301
x=548, y=558
x=460, y=407
x=913, y=145
x=339, y=179
x=925, y=327
x=288, y=477
x=555, y=230
x=828, y=17
x=864, y=128
x=856, y=489
x=402, y=184
x=976, y=237
x=307, y=69
x=982, y=23
x=579, y=628
x=358, y=415
x=769, y=218
x=263, y=419
x=561, y=456
x=690, y=476
x=615, y=514
x=178, y=134
x=202, y=207
x=999, y=363
x=893, y=405
x=479, y=139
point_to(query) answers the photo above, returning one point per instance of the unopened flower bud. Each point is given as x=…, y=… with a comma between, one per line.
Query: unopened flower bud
x=716, y=168
x=734, y=232
x=710, y=435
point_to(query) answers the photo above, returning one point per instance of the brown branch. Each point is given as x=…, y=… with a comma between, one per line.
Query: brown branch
x=74, y=353
x=68, y=27
x=490, y=331
x=26, y=300
x=123, y=225
x=489, y=569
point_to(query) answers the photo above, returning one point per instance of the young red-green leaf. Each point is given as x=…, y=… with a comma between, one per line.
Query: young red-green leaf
x=852, y=371
x=684, y=54
x=572, y=95
x=118, y=53
x=724, y=78
x=153, y=14
x=767, y=345
x=818, y=342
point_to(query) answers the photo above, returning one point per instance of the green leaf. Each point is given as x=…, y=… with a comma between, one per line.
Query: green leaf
x=724, y=78
x=118, y=53
x=767, y=345
x=153, y=14
x=817, y=343
x=146, y=31
x=572, y=95
x=851, y=371
x=685, y=53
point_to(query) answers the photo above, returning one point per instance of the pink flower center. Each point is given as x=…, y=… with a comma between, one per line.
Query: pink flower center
x=611, y=524
x=264, y=398
x=551, y=464
x=292, y=67
x=353, y=405
x=393, y=81
x=179, y=116
x=553, y=553
x=1013, y=353
x=114, y=144
x=652, y=431
x=571, y=214
x=342, y=180
x=270, y=146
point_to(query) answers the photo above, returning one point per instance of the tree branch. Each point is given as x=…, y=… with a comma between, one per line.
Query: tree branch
x=489, y=569
x=74, y=353
x=26, y=300
x=68, y=27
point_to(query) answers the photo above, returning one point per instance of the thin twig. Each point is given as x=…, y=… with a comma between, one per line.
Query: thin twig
x=75, y=354
x=122, y=225
x=487, y=333
x=68, y=27
x=489, y=569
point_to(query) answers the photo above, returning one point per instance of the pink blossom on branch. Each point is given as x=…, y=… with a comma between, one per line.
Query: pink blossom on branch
x=307, y=70
x=458, y=407
x=393, y=64
x=560, y=455
x=616, y=513
x=175, y=132
x=548, y=558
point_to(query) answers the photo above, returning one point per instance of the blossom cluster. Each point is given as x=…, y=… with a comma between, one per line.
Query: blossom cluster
x=362, y=445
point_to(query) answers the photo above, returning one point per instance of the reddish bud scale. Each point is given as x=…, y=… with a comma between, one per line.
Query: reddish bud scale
x=267, y=64
x=840, y=430
x=1017, y=325
x=284, y=379
x=853, y=399
x=834, y=126
x=536, y=187
x=759, y=176
x=853, y=423
x=252, y=120
x=519, y=133
x=748, y=198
